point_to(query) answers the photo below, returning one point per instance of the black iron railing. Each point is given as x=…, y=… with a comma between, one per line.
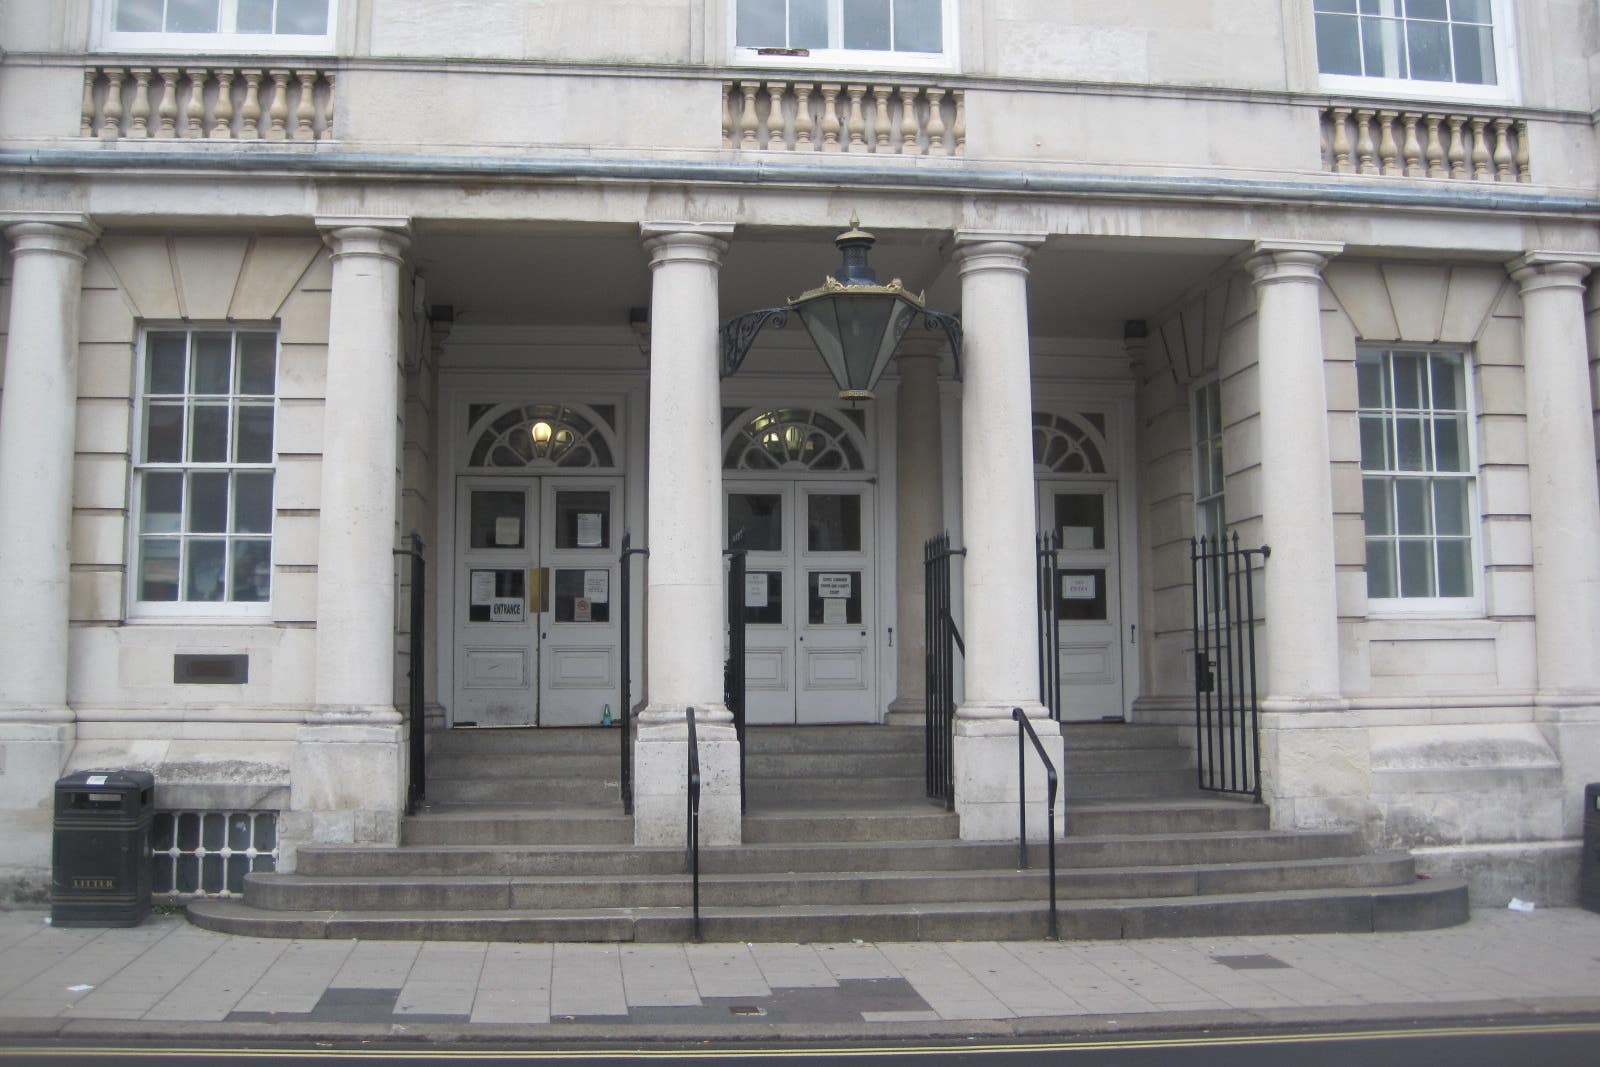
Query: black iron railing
x=1049, y=571
x=1227, y=716
x=942, y=641
x=625, y=713
x=416, y=715
x=693, y=821
x=733, y=680
x=1052, y=785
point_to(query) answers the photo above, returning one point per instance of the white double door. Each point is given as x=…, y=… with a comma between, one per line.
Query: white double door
x=1088, y=597
x=536, y=618
x=808, y=600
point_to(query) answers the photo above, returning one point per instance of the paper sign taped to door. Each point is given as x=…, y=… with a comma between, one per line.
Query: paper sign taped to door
x=588, y=529
x=582, y=611
x=833, y=612
x=1078, y=587
x=507, y=531
x=833, y=586
x=755, y=590
x=597, y=586
x=1074, y=538
x=507, y=609
x=482, y=588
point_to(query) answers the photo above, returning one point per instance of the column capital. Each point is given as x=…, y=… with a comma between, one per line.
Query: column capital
x=1279, y=261
x=705, y=242
x=66, y=233
x=978, y=250
x=1552, y=270
x=386, y=237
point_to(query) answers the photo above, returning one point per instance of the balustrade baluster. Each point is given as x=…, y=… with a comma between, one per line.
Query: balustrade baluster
x=305, y=112
x=1458, y=148
x=908, y=121
x=327, y=114
x=222, y=110
x=250, y=109
x=803, y=122
x=936, y=145
x=167, y=113
x=1342, y=158
x=830, y=118
x=775, y=124
x=1366, y=150
x=278, y=112
x=1482, y=158
x=858, y=121
x=1524, y=171
x=194, y=115
x=111, y=118
x=139, y=114
x=959, y=129
x=1504, y=169
x=1388, y=150
x=1411, y=146
x=727, y=115
x=1435, y=149
x=880, y=118
x=748, y=123
x=86, y=119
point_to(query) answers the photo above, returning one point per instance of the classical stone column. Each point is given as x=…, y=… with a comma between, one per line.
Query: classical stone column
x=1301, y=636
x=1000, y=625
x=347, y=768
x=38, y=419
x=1565, y=511
x=686, y=611
x=919, y=507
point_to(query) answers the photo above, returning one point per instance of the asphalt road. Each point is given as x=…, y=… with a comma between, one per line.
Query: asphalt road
x=1549, y=1044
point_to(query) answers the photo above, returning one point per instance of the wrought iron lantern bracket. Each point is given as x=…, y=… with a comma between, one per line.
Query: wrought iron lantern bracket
x=739, y=333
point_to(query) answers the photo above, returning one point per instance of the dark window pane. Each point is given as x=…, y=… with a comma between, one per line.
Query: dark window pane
x=1081, y=520
x=163, y=433
x=255, y=16
x=496, y=520
x=918, y=26
x=763, y=597
x=208, y=503
x=213, y=831
x=1335, y=5
x=1380, y=569
x=1429, y=44
x=583, y=519
x=1375, y=443
x=1410, y=380
x=303, y=16
x=1377, y=506
x=258, y=363
x=808, y=23
x=573, y=602
x=162, y=504
x=266, y=834
x=188, y=832
x=252, y=439
x=760, y=24
x=211, y=874
x=1455, y=568
x=161, y=875
x=192, y=16
x=139, y=16
x=238, y=867
x=188, y=880
x=760, y=516
x=1474, y=55
x=161, y=830
x=1450, y=506
x=866, y=24
x=833, y=522
x=252, y=571
x=835, y=598
x=158, y=569
x=1426, y=9
x=164, y=359
x=213, y=364
x=1450, y=448
x=1413, y=506
x=1383, y=48
x=1447, y=392
x=1409, y=444
x=208, y=433
x=1471, y=11
x=1338, y=45
x=1369, y=383
x=1416, y=569
x=205, y=570
x=1081, y=596
x=239, y=832
x=252, y=502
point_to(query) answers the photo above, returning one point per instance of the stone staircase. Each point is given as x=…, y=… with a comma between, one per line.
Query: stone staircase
x=524, y=840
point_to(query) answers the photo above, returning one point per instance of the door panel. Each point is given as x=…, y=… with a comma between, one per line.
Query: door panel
x=496, y=668
x=578, y=629
x=765, y=512
x=1088, y=599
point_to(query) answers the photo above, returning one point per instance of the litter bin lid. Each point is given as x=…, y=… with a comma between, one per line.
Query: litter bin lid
x=108, y=780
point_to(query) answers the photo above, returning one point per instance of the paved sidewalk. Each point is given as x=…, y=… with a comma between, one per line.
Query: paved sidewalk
x=167, y=977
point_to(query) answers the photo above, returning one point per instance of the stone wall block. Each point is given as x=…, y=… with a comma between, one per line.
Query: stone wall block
x=144, y=267
x=207, y=271
x=271, y=269
x=1417, y=293
x=1364, y=296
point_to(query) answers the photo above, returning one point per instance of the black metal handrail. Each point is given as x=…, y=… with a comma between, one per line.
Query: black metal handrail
x=1052, y=783
x=693, y=781
x=1049, y=569
x=417, y=772
x=733, y=679
x=941, y=641
x=625, y=713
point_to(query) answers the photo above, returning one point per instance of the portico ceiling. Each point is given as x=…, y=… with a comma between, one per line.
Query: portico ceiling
x=1078, y=287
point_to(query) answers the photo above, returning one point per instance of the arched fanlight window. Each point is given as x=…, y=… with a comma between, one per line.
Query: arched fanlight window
x=1069, y=444
x=520, y=436
x=792, y=439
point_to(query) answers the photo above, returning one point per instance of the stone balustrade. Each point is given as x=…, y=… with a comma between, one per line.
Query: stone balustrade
x=1424, y=144
x=207, y=102
x=816, y=116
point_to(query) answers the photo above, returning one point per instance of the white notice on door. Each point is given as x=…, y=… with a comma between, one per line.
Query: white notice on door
x=588, y=529
x=833, y=612
x=482, y=588
x=755, y=590
x=581, y=611
x=1078, y=586
x=507, y=531
x=833, y=586
x=597, y=586
x=1077, y=538
x=506, y=609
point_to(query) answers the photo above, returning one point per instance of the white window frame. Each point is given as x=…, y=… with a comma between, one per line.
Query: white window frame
x=850, y=58
x=107, y=38
x=241, y=611
x=1507, y=78
x=1438, y=607
x=1200, y=444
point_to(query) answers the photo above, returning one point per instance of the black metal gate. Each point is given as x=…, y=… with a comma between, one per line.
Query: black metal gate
x=1049, y=591
x=1227, y=717
x=733, y=683
x=942, y=642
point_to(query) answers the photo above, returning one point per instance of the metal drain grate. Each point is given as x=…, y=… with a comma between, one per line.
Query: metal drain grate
x=1252, y=963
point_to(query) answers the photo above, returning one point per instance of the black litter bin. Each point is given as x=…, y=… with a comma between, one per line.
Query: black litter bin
x=1589, y=878
x=100, y=869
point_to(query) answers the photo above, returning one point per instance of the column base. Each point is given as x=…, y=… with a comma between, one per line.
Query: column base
x=986, y=786
x=660, y=782
x=347, y=787
x=32, y=755
x=912, y=712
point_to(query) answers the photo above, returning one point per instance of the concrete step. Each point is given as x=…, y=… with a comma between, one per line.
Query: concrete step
x=301, y=892
x=916, y=821
x=517, y=741
x=777, y=740
x=1197, y=815
x=517, y=789
x=1128, y=785
x=780, y=792
x=1115, y=735
x=761, y=766
x=1413, y=906
x=568, y=765
x=489, y=826
x=1118, y=760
